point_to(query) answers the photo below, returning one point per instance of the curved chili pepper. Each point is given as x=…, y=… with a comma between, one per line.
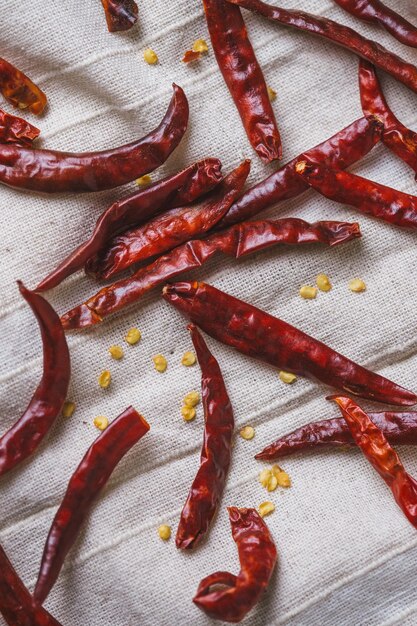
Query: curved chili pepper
x=341, y=35
x=16, y=130
x=365, y=195
x=371, y=440
x=375, y=12
x=52, y=172
x=243, y=76
x=120, y=14
x=398, y=138
x=400, y=428
x=83, y=488
x=173, y=191
x=266, y=338
x=169, y=229
x=237, y=241
x=22, y=439
x=208, y=485
x=257, y=556
x=19, y=90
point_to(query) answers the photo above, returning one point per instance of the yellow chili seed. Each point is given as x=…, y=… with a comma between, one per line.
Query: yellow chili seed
x=101, y=422
x=272, y=94
x=188, y=413
x=160, y=363
x=68, y=409
x=116, y=352
x=150, y=56
x=192, y=399
x=282, y=477
x=200, y=45
x=287, y=377
x=164, y=532
x=307, y=292
x=188, y=359
x=144, y=181
x=323, y=282
x=264, y=477
x=104, y=379
x=357, y=285
x=133, y=336
x=272, y=483
x=266, y=508
x=248, y=432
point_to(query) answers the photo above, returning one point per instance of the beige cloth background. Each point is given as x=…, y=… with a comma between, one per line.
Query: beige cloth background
x=347, y=555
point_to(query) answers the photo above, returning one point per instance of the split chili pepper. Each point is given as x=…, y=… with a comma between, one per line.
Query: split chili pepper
x=52, y=172
x=341, y=35
x=208, y=485
x=85, y=484
x=120, y=14
x=266, y=338
x=22, y=439
x=19, y=90
x=169, y=229
x=236, y=242
x=237, y=595
x=173, y=191
x=243, y=76
x=373, y=443
x=16, y=130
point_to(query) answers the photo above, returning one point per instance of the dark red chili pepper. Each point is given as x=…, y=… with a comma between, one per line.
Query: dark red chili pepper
x=269, y=339
x=169, y=229
x=16, y=130
x=51, y=172
x=243, y=76
x=341, y=35
x=22, y=439
x=237, y=241
x=397, y=137
x=173, y=191
x=208, y=485
x=371, y=440
x=399, y=428
x=84, y=486
x=120, y=14
x=19, y=90
x=237, y=595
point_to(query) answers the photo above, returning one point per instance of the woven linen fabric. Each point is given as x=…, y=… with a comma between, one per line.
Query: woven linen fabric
x=347, y=555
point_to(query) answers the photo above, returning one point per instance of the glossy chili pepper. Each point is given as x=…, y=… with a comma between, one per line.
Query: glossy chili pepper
x=400, y=428
x=208, y=485
x=371, y=440
x=120, y=14
x=266, y=338
x=228, y=597
x=51, y=172
x=169, y=229
x=375, y=12
x=243, y=76
x=236, y=241
x=173, y=191
x=16, y=130
x=85, y=484
x=19, y=90
x=341, y=35
x=397, y=137
x=22, y=439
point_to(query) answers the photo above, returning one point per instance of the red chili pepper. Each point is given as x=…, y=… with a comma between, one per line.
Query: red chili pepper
x=266, y=338
x=16, y=130
x=341, y=35
x=120, y=14
x=257, y=556
x=170, y=229
x=19, y=90
x=243, y=76
x=208, y=485
x=237, y=241
x=397, y=137
x=371, y=440
x=85, y=484
x=52, y=172
x=173, y=191
x=22, y=439
x=399, y=428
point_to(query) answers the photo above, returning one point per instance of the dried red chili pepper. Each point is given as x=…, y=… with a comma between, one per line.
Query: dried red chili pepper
x=208, y=485
x=257, y=555
x=19, y=90
x=371, y=440
x=237, y=241
x=50, y=171
x=266, y=338
x=169, y=229
x=120, y=14
x=84, y=486
x=243, y=76
x=23, y=438
x=341, y=35
x=16, y=130
x=173, y=191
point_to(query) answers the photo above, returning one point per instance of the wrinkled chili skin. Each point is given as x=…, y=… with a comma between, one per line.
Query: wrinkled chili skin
x=16, y=130
x=120, y=14
x=243, y=76
x=384, y=459
x=271, y=340
x=23, y=438
x=19, y=90
x=257, y=556
x=208, y=485
x=398, y=428
x=236, y=241
x=83, y=488
x=49, y=171
x=177, y=190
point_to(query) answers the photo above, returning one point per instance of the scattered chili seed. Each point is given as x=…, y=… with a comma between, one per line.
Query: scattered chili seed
x=323, y=282
x=160, y=363
x=188, y=359
x=357, y=285
x=164, y=532
x=192, y=399
x=188, y=413
x=264, y=477
x=283, y=479
x=104, y=379
x=101, y=422
x=287, y=377
x=268, y=479
x=150, y=56
x=144, y=181
x=266, y=508
x=308, y=293
x=116, y=352
x=200, y=45
x=190, y=56
x=68, y=409
x=272, y=94
x=248, y=432
x=133, y=336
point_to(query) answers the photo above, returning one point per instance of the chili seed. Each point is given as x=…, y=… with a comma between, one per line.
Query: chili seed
x=272, y=94
x=264, y=477
x=68, y=409
x=282, y=477
x=133, y=336
x=150, y=56
x=248, y=432
x=287, y=377
x=200, y=45
x=188, y=413
x=144, y=181
x=323, y=282
x=192, y=399
x=101, y=422
x=308, y=293
x=104, y=379
x=188, y=359
x=116, y=352
x=266, y=508
x=160, y=363
x=164, y=532
x=357, y=285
